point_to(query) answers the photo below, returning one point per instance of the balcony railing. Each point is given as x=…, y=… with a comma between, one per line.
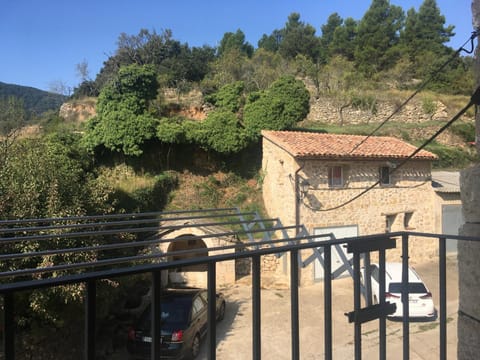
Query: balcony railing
x=112, y=243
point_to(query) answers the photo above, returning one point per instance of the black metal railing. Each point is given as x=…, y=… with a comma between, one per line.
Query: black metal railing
x=100, y=235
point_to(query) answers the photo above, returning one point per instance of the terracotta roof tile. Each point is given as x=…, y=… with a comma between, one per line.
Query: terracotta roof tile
x=319, y=145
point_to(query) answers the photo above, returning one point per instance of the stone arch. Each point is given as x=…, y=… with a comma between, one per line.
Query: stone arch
x=192, y=235
x=188, y=242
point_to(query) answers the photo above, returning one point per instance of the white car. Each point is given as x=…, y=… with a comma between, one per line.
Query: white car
x=419, y=297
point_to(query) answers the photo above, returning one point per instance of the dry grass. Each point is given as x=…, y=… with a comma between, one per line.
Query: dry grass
x=124, y=178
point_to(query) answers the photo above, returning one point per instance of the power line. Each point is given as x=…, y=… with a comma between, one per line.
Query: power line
x=421, y=87
x=474, y=100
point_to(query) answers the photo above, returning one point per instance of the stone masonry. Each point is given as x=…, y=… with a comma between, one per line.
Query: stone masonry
x=469, y=253
x=407, y=204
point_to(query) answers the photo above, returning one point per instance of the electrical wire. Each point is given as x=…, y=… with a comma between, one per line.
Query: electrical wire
x=422, y=86
x=474, y=100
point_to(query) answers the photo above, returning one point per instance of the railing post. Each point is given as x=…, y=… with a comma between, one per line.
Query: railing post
x=357, y=305
x=327, y=289
x=294, y=304
x=443, y=297
x=90, y=318
x=9, y=326
x=256, y=309
x=212, y=310
x=405, y=305
x=156, y=315
x=383, y=319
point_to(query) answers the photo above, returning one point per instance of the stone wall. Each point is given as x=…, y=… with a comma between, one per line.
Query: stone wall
x=469, y=270
x=468, y=253
x=332, y=111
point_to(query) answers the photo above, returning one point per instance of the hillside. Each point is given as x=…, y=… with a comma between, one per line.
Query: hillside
x=416, y=121
x=203, y=183
x=36, y=101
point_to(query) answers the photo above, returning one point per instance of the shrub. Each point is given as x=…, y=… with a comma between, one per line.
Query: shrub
x=466, y=130
x=429, y=106
x=450, y=157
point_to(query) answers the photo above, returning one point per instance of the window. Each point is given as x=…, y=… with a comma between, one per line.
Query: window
x=198, y=305
x=384, y=175
x=335, y=176
x=389, y=219
x=406, y=220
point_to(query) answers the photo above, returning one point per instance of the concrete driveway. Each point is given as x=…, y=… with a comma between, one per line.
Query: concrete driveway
x=234, y=333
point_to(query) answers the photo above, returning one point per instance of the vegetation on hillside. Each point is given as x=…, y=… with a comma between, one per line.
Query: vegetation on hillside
x=139, y=153
x=245, y=88
x=35, y=101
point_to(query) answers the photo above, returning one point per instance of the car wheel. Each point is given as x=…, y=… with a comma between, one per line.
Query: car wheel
x=221, y=312
x=195, y=349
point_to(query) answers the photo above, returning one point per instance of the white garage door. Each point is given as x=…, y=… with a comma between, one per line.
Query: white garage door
x=337, y=262
x=452, y=220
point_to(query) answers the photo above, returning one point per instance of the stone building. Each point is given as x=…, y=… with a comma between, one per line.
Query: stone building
x=349, y=185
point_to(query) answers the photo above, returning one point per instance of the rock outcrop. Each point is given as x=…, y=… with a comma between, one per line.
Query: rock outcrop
x=78, y=111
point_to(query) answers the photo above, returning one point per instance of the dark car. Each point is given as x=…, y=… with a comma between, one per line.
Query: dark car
x=183, y=325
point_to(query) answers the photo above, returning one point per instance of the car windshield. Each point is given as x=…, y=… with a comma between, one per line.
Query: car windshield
x=413, y=288
x=175, y=313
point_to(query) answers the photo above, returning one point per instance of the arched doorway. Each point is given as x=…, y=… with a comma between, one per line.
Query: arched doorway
x=187, y=246
x=191, y=243
x=191, y=239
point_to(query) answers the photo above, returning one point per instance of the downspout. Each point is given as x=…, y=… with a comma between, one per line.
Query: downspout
x=297, y=199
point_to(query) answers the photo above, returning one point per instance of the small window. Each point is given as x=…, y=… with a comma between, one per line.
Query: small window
x=406, y=221
x=384, y=175
x=335, y=176
x=389, y=221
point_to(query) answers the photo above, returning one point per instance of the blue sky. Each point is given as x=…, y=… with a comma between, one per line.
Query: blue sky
x=43, y=41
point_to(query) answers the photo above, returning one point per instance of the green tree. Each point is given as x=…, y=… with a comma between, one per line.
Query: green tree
x=235, y=41
x=12, y=118
x=425, y=30
x=339, y=75
x=229, y=97
x=299, y=39
x=176, y=63
x=49, y=177
x=271, y=42
x=334, y=22
x=423, y=41
x=123, y=122
x=263, y=69
x=378, y=34
x=283, y=104
x=229, y=68
x=170, y=130
x=343, y=40
x=221, y=132
x=311, y=70
x=44, y=178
